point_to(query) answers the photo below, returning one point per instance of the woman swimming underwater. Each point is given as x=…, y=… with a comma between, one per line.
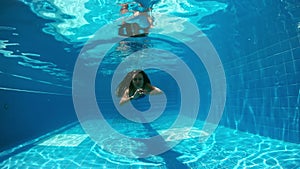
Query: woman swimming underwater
x=135, y=85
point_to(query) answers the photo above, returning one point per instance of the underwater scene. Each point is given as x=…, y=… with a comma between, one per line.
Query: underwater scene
x=163, y=84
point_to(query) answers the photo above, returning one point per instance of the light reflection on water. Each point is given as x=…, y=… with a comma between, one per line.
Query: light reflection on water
x=78, y=20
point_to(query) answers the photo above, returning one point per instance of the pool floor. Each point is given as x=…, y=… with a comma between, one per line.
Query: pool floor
x=70, y=147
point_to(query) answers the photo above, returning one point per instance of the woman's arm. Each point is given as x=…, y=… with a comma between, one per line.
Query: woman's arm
x=125, y=98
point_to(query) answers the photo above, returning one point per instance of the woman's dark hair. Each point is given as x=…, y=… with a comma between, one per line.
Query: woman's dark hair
x=127, y=82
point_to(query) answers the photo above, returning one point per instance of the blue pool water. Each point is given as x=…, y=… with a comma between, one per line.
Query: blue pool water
x=229, y=72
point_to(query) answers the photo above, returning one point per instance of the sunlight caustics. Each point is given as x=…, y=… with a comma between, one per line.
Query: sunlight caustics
x=33, y=91
x=65, y=140
x=223, y=149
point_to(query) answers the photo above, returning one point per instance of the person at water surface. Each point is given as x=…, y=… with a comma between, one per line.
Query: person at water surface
x=140, y=21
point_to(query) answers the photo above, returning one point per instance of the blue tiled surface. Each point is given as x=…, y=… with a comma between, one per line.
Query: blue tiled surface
x=226, y=148
x=260, y=51
x=263, y=89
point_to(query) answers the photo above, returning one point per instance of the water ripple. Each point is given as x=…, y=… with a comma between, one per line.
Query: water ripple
x=75, y=20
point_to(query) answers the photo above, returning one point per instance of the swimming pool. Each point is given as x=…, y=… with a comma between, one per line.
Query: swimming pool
x=228, y=71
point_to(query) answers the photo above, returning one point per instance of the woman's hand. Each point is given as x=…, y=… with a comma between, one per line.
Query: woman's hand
x=138, y=93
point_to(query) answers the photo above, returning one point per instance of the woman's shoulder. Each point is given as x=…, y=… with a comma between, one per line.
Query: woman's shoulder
x=156, y=90
x=153, y=89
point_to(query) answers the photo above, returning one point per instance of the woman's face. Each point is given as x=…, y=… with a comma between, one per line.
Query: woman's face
x=138, y=81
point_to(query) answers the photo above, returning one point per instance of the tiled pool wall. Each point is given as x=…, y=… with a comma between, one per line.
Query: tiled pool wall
x=33, y=107
x=263, y=92
x=260, y=53
x=26, y=116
